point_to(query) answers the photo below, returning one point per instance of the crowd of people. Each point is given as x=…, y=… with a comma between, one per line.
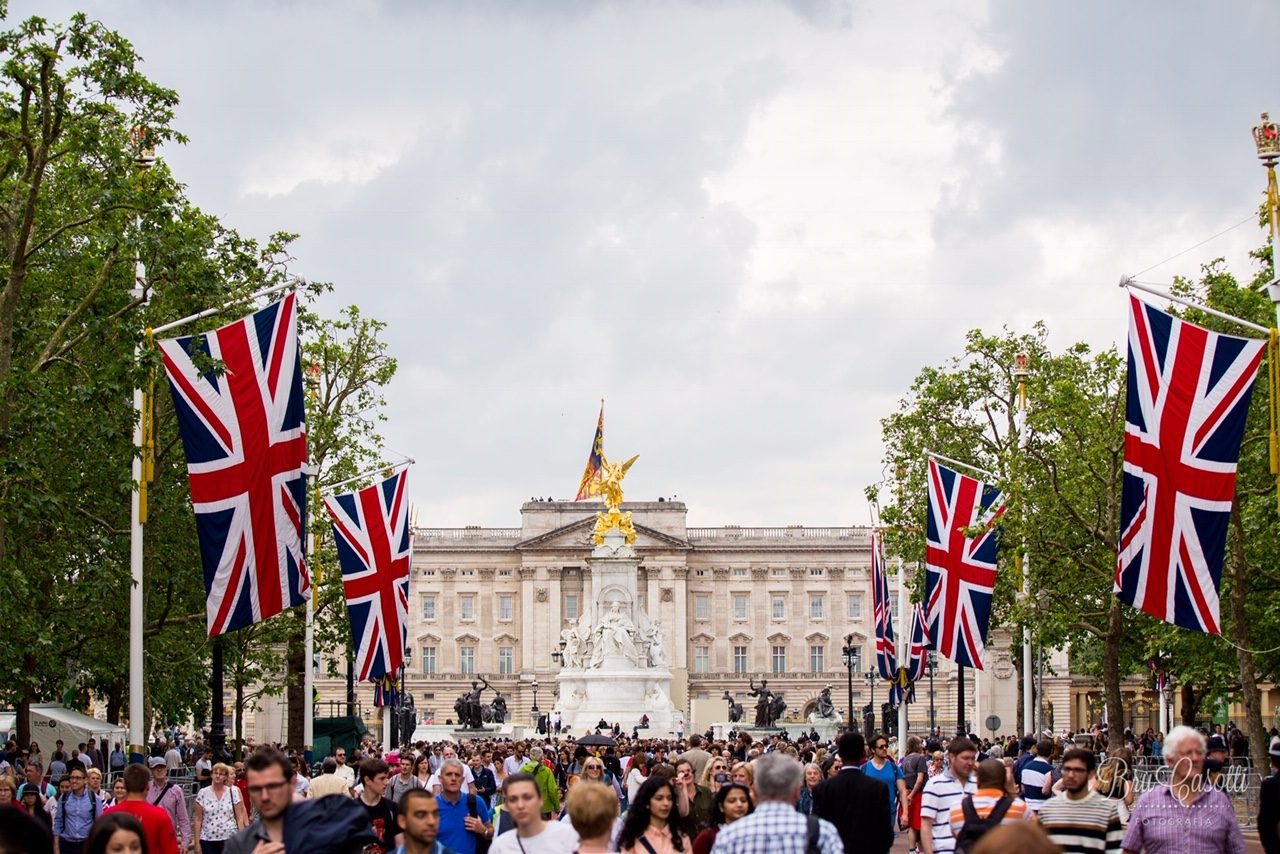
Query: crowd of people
x=740, y=795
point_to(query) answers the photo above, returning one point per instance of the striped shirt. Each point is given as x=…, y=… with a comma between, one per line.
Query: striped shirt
x=1034, y=773
x=941, y=794
x=1091, y=823
x=984, y=801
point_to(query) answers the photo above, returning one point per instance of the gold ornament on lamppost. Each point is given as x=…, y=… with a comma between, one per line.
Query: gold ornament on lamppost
x=1266, y=138
x=609, y=487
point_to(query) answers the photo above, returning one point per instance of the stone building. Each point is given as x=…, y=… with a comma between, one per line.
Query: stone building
x=733, y=603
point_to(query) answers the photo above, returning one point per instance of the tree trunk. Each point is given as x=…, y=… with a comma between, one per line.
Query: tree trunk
x=1190, y=705
x=295, y=667
x=1015, y=652
x=24, y=713
x=1111, y=666
x=115, y=700
x=239, y=719
x=1250, y=695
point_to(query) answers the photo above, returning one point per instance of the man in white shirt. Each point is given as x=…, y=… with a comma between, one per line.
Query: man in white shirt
x=513, y=762
x=468, y=779
x=173, y=759
x=344, y=772
x=532, y=834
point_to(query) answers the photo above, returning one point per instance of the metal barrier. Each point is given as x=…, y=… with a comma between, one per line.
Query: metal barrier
x=1239, y=782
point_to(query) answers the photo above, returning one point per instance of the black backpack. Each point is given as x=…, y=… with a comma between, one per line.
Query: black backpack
x=975, y=826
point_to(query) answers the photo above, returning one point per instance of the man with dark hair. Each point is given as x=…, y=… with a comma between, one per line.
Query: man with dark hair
x=1034, y=774
x=419, y=819
x=382, y=813
x=856, y=804
x=1081, y=820
x=77, y=811
x=329, y=783
x=267, y=771
x=944, y=792
x=157, y=826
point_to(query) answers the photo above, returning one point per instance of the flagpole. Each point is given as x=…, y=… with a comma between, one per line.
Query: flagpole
x=293, y=282
x=937, y=456
x=1022, y=367
x=1128, y=282
x=404, y=461
x=904, y=655
x=144, y=159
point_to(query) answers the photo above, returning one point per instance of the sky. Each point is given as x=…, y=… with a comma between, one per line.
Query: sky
x=746, y=225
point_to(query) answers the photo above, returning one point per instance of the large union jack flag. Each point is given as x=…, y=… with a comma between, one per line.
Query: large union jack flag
x=886, y=654
x=1188, y=396
x=961, y=570
x=245, y=437
x=371, y=528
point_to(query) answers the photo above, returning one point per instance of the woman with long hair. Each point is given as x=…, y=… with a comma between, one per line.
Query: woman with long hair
x=731, y=803
x=422, y=769
x=812, y=777
x=714, y=775
x=116, y=832
x=637, y=774
x=1115, y=780
x=649, y=828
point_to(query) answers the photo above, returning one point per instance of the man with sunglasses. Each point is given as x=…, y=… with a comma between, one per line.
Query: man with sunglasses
x=882, y=767
x=1081, y=820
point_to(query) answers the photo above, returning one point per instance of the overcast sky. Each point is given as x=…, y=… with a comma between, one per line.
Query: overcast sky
x=748, y=225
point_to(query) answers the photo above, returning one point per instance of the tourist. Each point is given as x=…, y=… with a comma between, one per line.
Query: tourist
x=697, y=756
x=485, y=783
x=219, y=812
x=116, y=833
x=267, y=770
x=532, y=833
x=944, y=792
x=651, y=819
x=812, y=777
x=1081, y=819
x=775, y=825
x=463, y=817
x=30, y=800
x=636, y=775
x=1269, y=804
x=77, y=810
x=382, y=813
x=1184, y=814
x=915, y=773
x=1115, y=780
x=345, y=772
x=1025, y=837
x=989, y=806
x=693, y=802
x=855, y=804
x=422, y=770
x=742, y=773
x=405, y=780
x=419, y=820
x=157, y=826
x=168, y=795
x=546, y=782
x=9, y=791
x=732, y=801
x=329, y=783
x=882, y=767
x=95, y=786
x=593, y=812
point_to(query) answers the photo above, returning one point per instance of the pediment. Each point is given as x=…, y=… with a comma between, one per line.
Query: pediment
x=702, y=638
x=740, y=638
x=467, y=638
x=817, y=637
x=505, y=639
x=428, y=639
x=576, y=536
x=779, y=638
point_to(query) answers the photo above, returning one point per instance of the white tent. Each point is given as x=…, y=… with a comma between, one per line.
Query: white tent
x=51, y=721
x=8, y=724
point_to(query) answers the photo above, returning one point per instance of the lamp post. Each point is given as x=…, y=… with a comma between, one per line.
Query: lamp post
x=931, y=668
x=850, y=655
x=534, y=710
x=558, y=655
x=872, y=676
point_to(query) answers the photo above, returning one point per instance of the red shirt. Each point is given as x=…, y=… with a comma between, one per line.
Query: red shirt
x=156, y=824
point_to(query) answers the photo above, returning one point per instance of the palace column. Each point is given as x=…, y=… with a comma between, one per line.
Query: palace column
x=721, y=609
x=527, y=653
x=448, y=652
x=555, y=619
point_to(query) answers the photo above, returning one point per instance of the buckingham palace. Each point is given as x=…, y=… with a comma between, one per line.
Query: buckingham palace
x=733, y=604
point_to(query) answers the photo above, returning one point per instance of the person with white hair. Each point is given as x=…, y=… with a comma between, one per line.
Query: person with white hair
x=546, y=782
x=776, y=825
x=1186, y=813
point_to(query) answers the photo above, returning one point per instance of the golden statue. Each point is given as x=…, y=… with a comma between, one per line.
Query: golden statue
x=609, y=486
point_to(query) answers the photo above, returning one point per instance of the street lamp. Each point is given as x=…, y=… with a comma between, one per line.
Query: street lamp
x=558, y=655
x=534, y=709
x=872, y=676
x=850, y=653
x=931, y=668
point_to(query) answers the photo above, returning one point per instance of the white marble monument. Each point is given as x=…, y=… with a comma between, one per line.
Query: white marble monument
x=615, y=666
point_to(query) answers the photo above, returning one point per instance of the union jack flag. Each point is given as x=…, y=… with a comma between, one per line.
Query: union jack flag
x=1188, y=396
x=961, y=570
x=244, y=433
x=919, y=652
x=886, y=656
x=371, y=529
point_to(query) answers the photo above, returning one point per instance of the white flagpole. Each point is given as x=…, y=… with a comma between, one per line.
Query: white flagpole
x=1127, y=282
x=937, y=456
x=904, y=654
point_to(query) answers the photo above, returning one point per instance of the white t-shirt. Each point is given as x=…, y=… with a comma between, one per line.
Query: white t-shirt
x=346, y=774
x=556, y=838
x=468, y=779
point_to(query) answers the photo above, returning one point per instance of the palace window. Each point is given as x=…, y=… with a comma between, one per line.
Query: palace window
x=817, y=658
x=571, y=606
x=702, y=607
x=739, y=659
x=468, y=573
x=467, y=659
x=739, y=606
x=429, y=660
x=779, y=605
x=468, y=609
x=506, y=660
x=504, y=606
x=815, y=572
x=855, y=606
x=429, y=607
x=779, y=659
x=701, y=659
x=739, y=572
x=816, y=607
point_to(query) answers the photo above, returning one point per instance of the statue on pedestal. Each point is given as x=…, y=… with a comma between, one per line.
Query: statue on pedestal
x=653, y=637
x=735, y=708
x=825, y=710
x=470, y=711
x=609, y=487
x=496, y=711
x=769, y=706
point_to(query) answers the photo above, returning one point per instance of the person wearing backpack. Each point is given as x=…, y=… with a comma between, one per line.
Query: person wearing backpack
x=990, y=806
x=77, y=810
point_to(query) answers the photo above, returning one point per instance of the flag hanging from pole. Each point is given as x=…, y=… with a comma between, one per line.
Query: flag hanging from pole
x=371, y=529
x=886, y=654
x=918, y=655
x=961, y=569
x=387, y=690
x=595, y=459
x=1188, y=398
x=244, y=434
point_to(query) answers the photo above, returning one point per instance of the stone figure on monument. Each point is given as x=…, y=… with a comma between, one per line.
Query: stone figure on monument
x=469, y=709
x=825, y=709
x=776, y=707
x=615, y=637
x=657, y=654
x=572, y=648
x=498, y=709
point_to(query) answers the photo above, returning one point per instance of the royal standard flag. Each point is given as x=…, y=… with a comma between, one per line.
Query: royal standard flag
x=591, y=475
